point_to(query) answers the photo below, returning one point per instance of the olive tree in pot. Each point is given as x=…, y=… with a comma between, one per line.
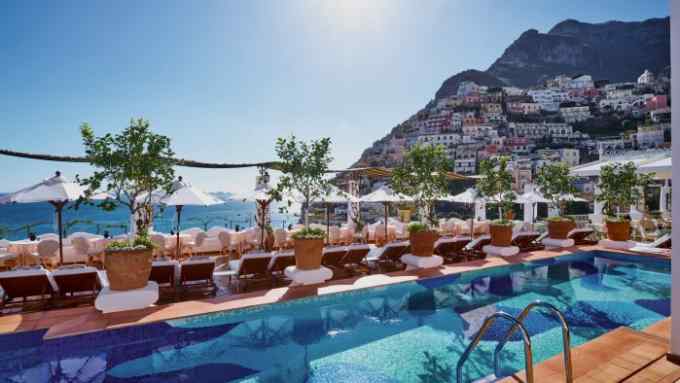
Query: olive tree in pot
x=620, y=187
x=304, y=166
x=129, y=166
x=495, y=184
x=555, y=184
x=423, y=176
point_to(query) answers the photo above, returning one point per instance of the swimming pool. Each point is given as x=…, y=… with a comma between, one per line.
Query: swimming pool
x=409, y=332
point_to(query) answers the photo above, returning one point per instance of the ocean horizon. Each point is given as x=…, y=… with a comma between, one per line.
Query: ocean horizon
x=17, y=220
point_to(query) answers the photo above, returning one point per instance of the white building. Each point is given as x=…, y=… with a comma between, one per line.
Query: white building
x=549, y=99
x=650, y=136
x=467, y=87
x=575, y=113
x=583, y=81
x=570, y=156
x=646, y=78
x=559, y=130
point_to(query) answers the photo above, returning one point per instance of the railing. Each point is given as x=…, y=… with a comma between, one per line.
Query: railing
x=518, y=324
x=528, y=362
x=566, y=337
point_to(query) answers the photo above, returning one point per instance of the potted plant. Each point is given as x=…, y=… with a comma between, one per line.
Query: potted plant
x=556, y=184
x=422, y=239
x=423, y=176
x=620, y=187
x=130, y=166
x=304, y=166
x=495, y=184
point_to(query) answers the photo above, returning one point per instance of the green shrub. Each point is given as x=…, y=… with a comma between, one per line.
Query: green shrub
x=416, y=227
x=310, y=233
x=559, y=219
x=140, y=242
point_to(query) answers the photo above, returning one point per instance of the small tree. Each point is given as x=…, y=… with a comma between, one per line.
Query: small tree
x=304, y=166
x=620, y=187
x=555, y=183
x=130, y=166
x=496, y=184
x=423, y=175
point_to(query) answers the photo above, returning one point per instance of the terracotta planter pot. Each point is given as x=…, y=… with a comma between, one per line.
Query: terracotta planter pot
x=560, y=229
x=501, y=235
x=618, y=231
x=422, y=243
x=128, y=269
x=308, y=253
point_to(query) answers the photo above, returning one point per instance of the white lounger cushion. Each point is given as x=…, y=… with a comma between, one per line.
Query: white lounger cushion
x=74, y=270
x=30, y=272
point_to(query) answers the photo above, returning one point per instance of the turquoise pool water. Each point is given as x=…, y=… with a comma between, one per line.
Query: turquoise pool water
x=410, y=332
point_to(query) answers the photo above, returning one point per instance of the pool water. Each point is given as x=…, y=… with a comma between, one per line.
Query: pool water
x=409, y=332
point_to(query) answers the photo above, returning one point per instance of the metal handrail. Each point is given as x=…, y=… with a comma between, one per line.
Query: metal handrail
x=529, y=365
x=566, y=337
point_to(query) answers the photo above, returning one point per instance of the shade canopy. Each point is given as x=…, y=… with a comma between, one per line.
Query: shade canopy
x=532, y=196
x=572, y=198
x=469, y=196
x=384, y=194
x=653, y=161
x=186, y=194
x=336, y=195
x=56, y=188
x=661, y=168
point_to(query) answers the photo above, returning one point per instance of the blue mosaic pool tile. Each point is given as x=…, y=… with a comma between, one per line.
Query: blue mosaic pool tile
x=207, y=373
x=19, y=340
x=433, y=283
x=659, y=306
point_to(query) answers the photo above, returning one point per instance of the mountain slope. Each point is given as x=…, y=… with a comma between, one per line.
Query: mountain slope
x=615, y=50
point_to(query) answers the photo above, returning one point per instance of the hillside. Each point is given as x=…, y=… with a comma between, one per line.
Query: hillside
x=615, y=51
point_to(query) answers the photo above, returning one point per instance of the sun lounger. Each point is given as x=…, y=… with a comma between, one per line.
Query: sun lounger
x=390, y=257
x=450, y=247
x=661, y=246
x=527, y=241
x=278, y=264
x=74, y=279
x=473, y=250
x=197, y=271
x=251, y=267
x=333, y=255
x=26, y=282
x=579, y=236
x=354, y=259
x=163, y=272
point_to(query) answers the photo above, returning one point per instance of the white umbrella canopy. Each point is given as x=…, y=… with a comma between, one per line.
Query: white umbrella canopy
x=532, y=196
x=336, y=195
x=57, y=190
x=384, y=194
x=469, y=196
x=572, y=198
x=185, y=194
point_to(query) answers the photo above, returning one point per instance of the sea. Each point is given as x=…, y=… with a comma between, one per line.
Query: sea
x=18, y=220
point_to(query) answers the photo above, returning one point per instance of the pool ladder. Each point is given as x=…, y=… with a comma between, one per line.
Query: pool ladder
x=518, y=324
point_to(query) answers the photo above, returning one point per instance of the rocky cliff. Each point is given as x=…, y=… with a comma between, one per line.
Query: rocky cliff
x=616, y=51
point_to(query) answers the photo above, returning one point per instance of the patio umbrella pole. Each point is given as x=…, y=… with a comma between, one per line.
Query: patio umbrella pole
x=328, y=223
x=58, y=206
x=386, y=213
x=178, y=208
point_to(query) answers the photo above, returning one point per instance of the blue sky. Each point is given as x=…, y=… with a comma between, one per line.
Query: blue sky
x=225, y=78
